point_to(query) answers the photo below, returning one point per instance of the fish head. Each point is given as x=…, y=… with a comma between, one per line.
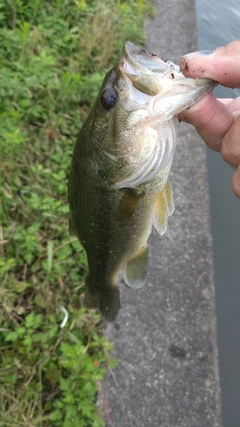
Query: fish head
x=134, y=118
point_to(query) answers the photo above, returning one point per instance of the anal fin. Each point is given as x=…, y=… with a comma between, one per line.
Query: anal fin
x=164, y=208
x=136, y=269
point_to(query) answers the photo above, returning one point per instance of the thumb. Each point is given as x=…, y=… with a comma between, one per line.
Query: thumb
x=221, y=65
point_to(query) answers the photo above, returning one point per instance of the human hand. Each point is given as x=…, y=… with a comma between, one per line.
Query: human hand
x=217, y=120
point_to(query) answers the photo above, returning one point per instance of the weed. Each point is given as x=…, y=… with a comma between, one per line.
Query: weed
x=53, y=57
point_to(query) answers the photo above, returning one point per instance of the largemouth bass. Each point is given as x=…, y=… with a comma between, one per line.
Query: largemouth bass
x=118, y=185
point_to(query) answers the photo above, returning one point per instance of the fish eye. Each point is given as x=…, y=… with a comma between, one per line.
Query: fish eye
x=109, y=98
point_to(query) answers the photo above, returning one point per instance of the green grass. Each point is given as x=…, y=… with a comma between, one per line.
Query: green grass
x=53, y=55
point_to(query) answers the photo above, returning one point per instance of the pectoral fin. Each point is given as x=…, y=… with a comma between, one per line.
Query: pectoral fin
x=136, y=269
x=164, y=208
x=129, y=204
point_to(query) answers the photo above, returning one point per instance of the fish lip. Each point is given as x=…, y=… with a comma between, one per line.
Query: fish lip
x=135, y=60
x=130, y=97
x=131, y=65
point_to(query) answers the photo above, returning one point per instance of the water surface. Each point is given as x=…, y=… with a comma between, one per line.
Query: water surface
x=218, y=24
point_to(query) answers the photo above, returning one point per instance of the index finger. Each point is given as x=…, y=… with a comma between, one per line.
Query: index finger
x=221, y=65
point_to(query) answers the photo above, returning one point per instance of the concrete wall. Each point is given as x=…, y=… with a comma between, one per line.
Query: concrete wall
x=165, y=334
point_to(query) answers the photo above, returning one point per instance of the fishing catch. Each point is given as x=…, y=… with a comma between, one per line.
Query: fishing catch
x=118, y=184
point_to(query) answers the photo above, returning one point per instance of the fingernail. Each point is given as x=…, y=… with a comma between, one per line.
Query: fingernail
x=205, y=52
x=197, y=53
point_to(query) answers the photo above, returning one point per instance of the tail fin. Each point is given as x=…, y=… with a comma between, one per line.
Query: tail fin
x=107, y=300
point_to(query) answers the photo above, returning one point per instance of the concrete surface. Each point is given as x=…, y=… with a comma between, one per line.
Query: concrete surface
x=165, y=334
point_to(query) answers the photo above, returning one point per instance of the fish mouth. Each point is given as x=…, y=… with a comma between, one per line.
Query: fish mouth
x=147, y=79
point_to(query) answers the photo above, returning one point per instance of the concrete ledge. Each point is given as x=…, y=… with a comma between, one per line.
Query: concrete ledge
x=165, y=334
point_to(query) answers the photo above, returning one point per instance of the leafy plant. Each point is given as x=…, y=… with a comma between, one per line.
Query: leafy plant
x=53, y=57
x=51, y=373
